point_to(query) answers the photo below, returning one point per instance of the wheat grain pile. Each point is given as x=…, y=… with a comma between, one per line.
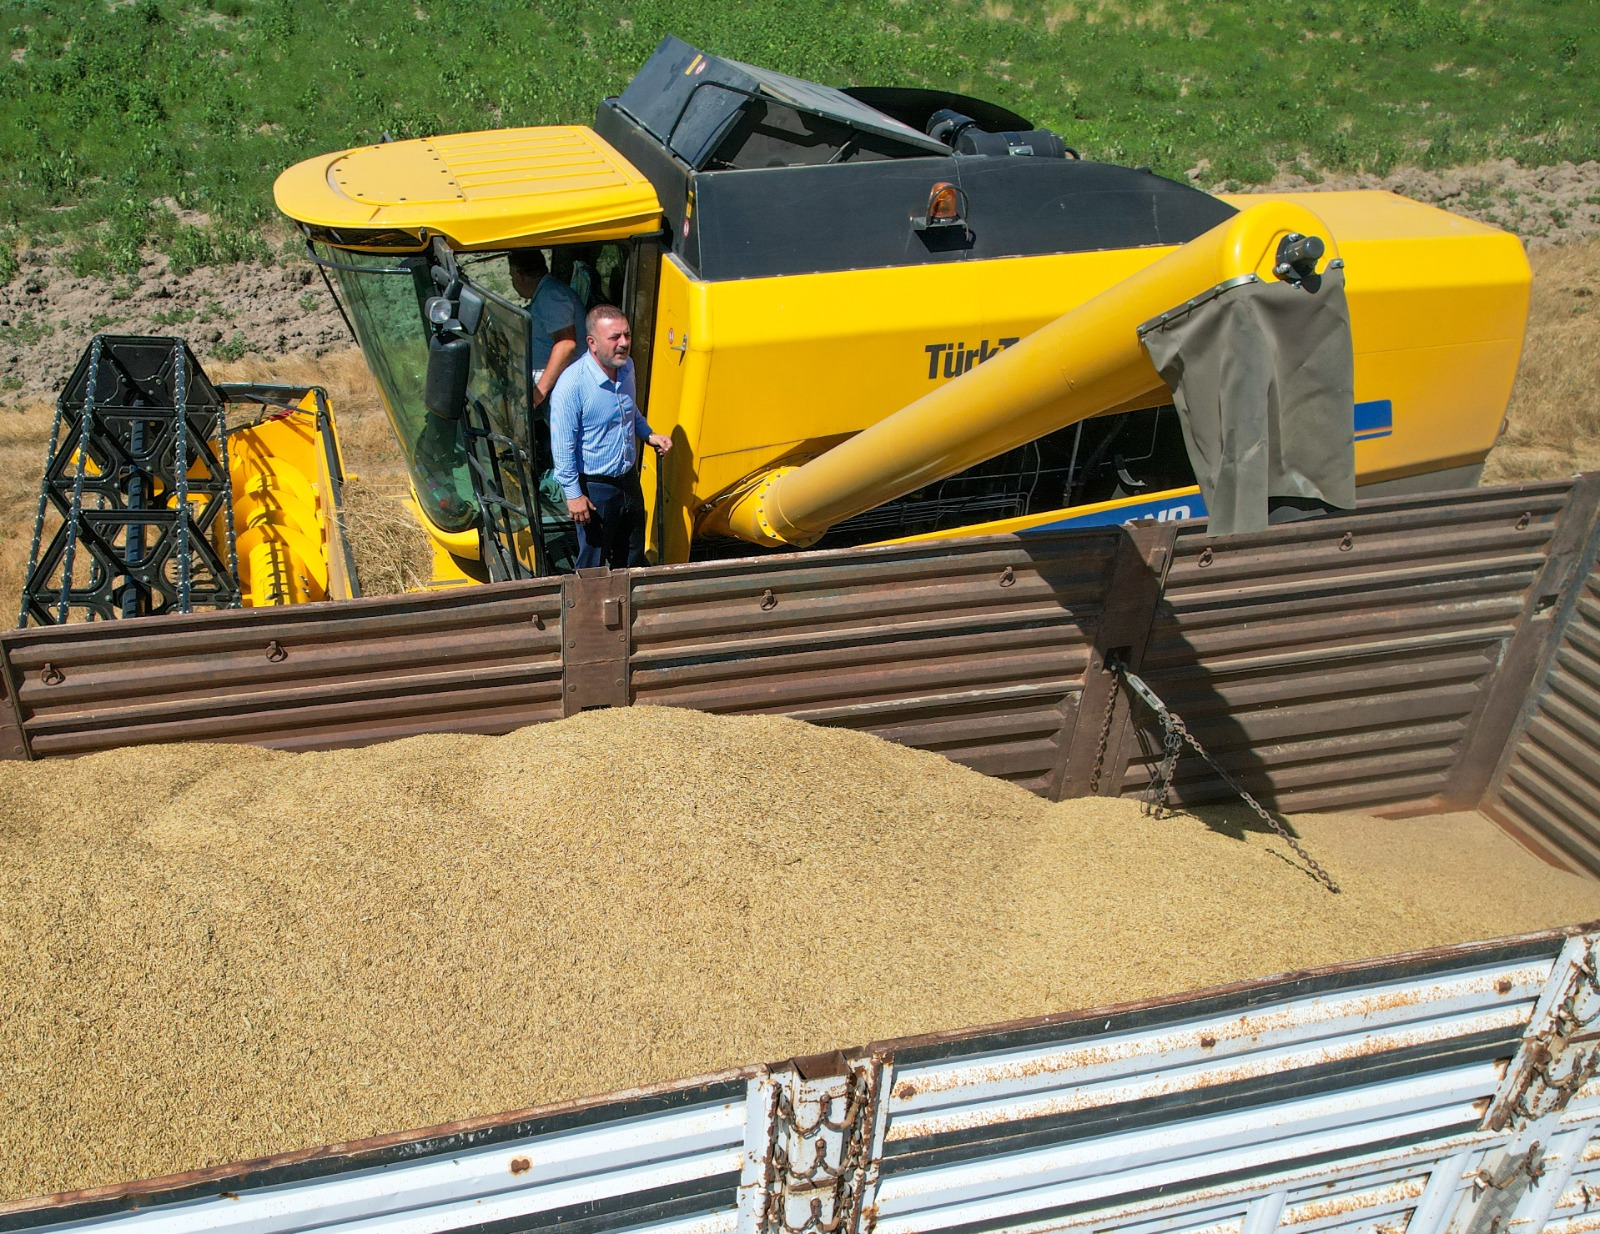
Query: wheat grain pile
x=256, y=951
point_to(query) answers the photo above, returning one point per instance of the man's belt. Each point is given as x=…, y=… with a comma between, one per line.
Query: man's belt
x=630, y=474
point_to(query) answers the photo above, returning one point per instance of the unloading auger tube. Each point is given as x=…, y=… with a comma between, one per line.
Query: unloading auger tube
x=1086, y=361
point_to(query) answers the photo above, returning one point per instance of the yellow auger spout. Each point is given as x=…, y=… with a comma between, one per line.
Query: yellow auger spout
x=1086, y=361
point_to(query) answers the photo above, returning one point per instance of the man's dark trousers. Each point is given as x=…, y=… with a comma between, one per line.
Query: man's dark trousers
x=614, y=534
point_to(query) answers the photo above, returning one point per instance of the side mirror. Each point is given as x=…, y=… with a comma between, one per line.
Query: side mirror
x=469, y=309
x=449, y=367
x=458, y=311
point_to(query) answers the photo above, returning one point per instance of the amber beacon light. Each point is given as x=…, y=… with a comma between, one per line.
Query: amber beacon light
x=944, y=207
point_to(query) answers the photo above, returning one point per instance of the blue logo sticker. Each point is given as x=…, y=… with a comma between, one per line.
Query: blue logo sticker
x=1374, y=419
x=1162, y=509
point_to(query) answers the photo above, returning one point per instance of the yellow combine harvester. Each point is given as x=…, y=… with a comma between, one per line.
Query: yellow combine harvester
x=802, y=264
x=874, y=315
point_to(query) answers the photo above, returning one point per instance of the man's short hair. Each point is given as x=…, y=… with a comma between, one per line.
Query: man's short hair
x=603, y=312
x=528, y=262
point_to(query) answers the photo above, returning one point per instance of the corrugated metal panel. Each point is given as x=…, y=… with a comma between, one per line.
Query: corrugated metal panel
x=1357, y=661
x=1067, y=1130
x=1348, y=1098
x=978, y=653
x=483, y=659
x=1550, y=788
x=1344, y=662
x=667, y=1163
x=1568, y=1197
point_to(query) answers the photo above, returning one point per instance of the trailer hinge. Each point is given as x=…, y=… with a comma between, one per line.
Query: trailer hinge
x=596, y=620
x=816, y=1158
x=1560, y=1050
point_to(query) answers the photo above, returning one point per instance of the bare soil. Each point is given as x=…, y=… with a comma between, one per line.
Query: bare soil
x=1543, y=205
x=260, y=951
x=267, y=312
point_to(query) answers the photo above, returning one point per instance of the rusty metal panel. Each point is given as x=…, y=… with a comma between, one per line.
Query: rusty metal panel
x=1099, y=736
x=976, y=650
x=1314, y=1104
x=315, y=676
x=1548, y=791
x=594, y=644
x=12, y=745
x=1570, y=1202
x=1360, y=661
x=1345, y=662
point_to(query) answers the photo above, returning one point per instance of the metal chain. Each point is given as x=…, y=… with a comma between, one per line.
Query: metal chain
x=180, y=405
x=1160, y=786
x=1176, y=733
x=75, y=517
x=1113, y=667
x=236, y=598
x=783, y=1173
x=44, y=500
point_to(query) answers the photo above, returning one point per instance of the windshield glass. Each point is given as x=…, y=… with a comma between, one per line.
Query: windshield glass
x=502, y=353
x=385, y=296
x=497, y=394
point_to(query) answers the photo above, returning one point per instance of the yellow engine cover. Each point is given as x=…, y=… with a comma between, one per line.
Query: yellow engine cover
x=751, y=374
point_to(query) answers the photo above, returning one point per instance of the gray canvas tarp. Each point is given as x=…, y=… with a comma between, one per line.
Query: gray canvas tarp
x=1263, y=376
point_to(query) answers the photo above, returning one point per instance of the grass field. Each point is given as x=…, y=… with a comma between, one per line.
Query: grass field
x=163, y=123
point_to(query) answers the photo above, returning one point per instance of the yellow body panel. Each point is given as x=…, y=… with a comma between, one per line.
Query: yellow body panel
x=1438, y=308
x=450, y=549
x=491, y=189
x=775, y=370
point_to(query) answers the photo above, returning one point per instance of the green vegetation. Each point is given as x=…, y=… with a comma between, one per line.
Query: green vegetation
x=164, y=122
x=24, y=330
x=173, y=317
x=233, y=349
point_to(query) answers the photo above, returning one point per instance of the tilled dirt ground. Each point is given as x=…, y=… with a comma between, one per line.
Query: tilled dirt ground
x=266, y=312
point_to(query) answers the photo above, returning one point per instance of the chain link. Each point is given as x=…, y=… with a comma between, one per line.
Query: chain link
x=790, y=1179
x=1160, y=786
x=1175, y=735
x=75, y=515
x=180, y=397
x=1113, y=667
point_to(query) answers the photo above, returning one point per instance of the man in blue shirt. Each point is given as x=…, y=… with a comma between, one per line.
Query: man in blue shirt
x=554, y=314
x=595, y=431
